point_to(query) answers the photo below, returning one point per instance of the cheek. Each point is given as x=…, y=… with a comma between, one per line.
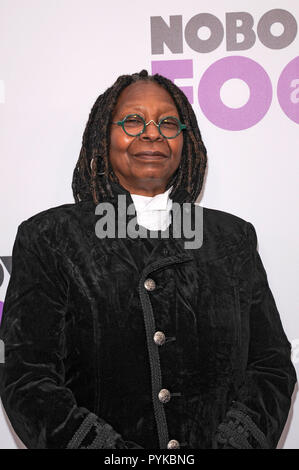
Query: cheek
x=119, y=142
x=177, y=147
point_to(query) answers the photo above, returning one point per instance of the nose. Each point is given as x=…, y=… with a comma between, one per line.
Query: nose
x=151, y=132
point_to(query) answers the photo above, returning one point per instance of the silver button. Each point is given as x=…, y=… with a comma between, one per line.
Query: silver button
x=159, y=338
x=173, y=444
x=164, y=395
x=149, y=284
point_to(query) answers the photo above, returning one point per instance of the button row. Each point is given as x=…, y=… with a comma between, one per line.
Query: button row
x=159, y=338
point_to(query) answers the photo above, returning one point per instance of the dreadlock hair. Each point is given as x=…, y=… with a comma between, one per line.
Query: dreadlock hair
x=93, y=171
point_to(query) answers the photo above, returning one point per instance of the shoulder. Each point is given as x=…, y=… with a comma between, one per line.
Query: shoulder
x=222, y=220
x=56, y=221
x=227, y=227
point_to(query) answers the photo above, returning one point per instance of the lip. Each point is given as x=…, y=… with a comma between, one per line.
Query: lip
x=147, y=154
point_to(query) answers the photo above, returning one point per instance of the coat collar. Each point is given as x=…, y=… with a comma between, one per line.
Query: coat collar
x=169, y=250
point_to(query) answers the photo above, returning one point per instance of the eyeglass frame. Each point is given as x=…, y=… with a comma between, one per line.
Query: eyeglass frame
x=121, y=123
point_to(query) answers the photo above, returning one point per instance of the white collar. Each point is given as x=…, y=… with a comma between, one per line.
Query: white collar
x=153, y=212
x=148, y=203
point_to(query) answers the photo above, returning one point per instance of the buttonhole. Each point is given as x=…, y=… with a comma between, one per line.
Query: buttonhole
x=183, y=444
x=170, y=338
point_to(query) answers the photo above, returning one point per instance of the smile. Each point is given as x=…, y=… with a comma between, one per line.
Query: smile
x=146, y=155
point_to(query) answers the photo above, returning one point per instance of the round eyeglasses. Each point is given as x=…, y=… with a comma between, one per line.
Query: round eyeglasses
x=134, y=125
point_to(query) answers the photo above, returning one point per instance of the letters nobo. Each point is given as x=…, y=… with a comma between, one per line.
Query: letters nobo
x=236, y=24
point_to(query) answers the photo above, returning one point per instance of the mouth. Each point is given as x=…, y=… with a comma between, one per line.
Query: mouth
x=148, y=155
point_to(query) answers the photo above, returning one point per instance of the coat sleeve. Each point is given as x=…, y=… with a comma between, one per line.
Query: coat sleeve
x=41, y=408
x=257, y=416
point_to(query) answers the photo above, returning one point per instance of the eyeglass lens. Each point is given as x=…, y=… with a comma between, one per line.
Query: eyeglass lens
x=134, y=125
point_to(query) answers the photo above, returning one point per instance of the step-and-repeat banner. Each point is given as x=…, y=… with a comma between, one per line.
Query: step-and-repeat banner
x=238, y=64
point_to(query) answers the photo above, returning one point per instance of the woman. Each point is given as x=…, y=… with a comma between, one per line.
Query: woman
x=140, y=342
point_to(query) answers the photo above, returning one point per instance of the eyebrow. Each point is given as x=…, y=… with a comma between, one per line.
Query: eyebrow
x=142, y=108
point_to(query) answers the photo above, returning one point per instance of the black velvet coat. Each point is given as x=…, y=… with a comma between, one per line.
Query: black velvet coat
x=82, y=369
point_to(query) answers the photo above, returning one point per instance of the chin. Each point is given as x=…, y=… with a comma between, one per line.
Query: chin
x=151, y=175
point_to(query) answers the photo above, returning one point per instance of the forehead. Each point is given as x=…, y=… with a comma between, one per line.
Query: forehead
x=147, y=94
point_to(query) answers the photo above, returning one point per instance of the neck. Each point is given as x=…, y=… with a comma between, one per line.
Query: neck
x=145, y=188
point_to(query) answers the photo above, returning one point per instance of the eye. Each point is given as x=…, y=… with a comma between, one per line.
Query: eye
x=133, y=120
x=169, y=123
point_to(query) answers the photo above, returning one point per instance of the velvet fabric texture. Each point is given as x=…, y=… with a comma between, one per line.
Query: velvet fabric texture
x=81, y=368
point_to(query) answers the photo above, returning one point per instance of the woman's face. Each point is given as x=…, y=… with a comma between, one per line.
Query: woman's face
x=139, y=173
